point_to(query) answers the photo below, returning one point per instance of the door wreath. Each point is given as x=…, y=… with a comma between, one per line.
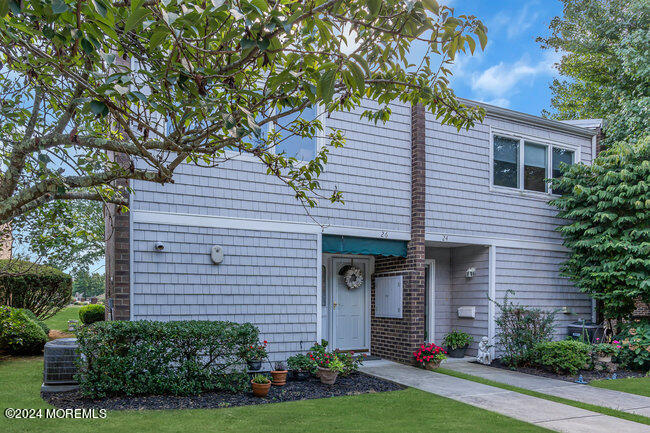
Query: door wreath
x=352, y=276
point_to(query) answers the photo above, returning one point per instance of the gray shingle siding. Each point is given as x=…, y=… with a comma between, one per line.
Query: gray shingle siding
x=534, y=277
x=266, y=278
x=459, y=198
x=372, y=171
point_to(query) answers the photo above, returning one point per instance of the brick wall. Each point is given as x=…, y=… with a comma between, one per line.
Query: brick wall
x=391, y=338
x=118, y=273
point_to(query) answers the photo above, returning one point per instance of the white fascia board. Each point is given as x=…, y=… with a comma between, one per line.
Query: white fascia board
x=489, y=241
x=193, y=220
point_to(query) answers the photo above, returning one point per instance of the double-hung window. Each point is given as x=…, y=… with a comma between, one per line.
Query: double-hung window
x=524, y=164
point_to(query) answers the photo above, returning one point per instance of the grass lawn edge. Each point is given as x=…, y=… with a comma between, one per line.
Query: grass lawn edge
x=623, y=385
x=592, y=407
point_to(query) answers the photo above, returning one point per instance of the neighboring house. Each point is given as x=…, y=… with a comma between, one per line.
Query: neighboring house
x=436, y=220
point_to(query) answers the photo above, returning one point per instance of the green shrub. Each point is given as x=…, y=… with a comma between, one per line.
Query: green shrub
x=32, y=316
x=19, y=334
x=91, y=313
x=520, y=329
x=457, y=339
x=634, y=340
x=566, y=356
x=163, y=358
x=300, y=362
x=350, y=362
x=607, y=215
x=41, y=289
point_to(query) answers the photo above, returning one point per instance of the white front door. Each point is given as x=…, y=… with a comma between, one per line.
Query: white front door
x=350, y=316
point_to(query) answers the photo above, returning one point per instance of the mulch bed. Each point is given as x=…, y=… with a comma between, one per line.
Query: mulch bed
x=587, y=375
x=357, y=383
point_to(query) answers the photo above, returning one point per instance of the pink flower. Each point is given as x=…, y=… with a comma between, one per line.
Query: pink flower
x=615, y=341
x=619, y=346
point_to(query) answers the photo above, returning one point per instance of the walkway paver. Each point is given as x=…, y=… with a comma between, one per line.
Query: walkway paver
x=545, y=413
x=618, y=400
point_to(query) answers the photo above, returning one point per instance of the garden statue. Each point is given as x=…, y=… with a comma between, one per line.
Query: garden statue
x=484, y=356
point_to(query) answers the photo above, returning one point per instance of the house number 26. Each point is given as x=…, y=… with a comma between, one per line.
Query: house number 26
x=383, y=235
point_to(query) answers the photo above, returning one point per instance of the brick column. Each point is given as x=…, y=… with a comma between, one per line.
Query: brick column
x=118, y=252
x=397, y=339
x=118, y=241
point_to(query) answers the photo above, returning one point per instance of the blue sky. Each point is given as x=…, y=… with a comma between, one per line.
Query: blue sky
x=513, y=71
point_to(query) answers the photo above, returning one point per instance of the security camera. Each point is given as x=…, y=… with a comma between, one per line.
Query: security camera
x=159, y=246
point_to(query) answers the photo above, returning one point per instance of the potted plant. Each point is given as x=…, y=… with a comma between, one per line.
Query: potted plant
x=430, y=356
x=279, y=374
x=329, y=369
x=457, y=343
x=317, y=355
x=254, y=355
x=261, y=385
x=604, y=352
x=301, y=366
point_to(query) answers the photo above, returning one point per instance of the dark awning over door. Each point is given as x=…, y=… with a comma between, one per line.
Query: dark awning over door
x=368, y=246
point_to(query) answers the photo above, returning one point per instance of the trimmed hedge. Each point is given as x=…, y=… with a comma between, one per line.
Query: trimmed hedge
x=19, y=334
x=91, y=313
x=41, y=289
x=163, y=358
x=566, y=356
x=32, y=316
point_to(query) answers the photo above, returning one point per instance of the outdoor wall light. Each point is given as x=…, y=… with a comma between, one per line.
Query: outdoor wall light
x=159, y=246
x=469, y=273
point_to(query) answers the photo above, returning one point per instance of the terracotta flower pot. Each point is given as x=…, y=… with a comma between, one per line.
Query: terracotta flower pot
x=279, y=377
x=260, y=389
x=327, y=376
x=432, y=365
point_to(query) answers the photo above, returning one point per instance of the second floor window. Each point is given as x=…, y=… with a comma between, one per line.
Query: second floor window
x=294, y=145
x=525, y=165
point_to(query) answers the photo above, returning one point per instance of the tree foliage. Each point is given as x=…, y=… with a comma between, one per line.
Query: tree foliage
x=41, y=289
x=169, y=82
x=605, y=65
x=89, y=284
x=72, y=242
x=607, y=207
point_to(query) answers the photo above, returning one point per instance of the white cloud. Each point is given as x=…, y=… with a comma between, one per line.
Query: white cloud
x=499, y=80
x=517, y=24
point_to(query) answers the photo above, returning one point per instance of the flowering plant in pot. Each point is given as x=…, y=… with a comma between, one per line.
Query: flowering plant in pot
x=301, y=366
x=261, y=385
x=279, y=374
x=457, y=343
x=253, y=355
x=430, y=356
x=317, y=355
x=329, y=368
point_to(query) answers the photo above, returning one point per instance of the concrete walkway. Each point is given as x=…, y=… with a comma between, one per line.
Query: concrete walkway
x=544, y=413
x=618, y=400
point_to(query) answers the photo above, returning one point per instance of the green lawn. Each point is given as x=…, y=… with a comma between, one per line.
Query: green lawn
x=599, y=409
x=634, y=385
x=60, y=320
x=409, y=410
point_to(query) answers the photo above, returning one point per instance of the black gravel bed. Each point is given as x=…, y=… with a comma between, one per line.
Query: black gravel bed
x=312, y=388
x=587, y=375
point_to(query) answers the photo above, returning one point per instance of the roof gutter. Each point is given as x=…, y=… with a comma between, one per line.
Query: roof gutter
x=504, y=113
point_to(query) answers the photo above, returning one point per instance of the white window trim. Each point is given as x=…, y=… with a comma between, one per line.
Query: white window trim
x=522, y=138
